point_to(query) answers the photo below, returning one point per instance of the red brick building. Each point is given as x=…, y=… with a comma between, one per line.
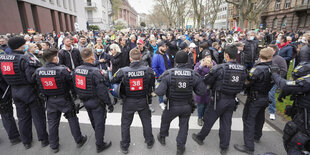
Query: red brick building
x=127, y=13
x=42, y=15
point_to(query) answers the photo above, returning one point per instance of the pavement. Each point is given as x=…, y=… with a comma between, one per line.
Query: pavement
x=270, y=142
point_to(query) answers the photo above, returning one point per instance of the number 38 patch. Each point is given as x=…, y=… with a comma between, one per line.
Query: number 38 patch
x=136, y=84
x=182, y=84
x=7, y=68
x=235, y=78
x=49, y=83
x=80, y=81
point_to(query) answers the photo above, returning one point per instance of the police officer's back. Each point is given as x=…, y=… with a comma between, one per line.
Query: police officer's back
x=17, y=70
x=296, y=132
x=138, y=81
x=225, y=81
x=55, y=82
x=258, y=86
x=178, y=85
x=89, y=84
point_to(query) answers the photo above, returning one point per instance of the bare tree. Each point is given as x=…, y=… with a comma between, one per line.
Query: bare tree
x=157, y=17
x=168, y=8
x=198, y=11
x=182, y=10
x=211, y=9
x=115, y=7
x=249, y=9
x=256, y=11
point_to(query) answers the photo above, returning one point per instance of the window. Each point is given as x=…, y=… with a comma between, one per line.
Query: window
x=308, y=21
x=278, y=2
x=52, y=1
x=65, y=4
x=284, y=21
x=58, y=3
x=275, y=23
x=287, y=4
x=70, y=5
x=302, y=21
x=304, y=2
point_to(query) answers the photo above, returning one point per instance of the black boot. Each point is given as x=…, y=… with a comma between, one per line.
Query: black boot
x=180, y=150
x=244, y=149
x=197, y=139
x=44, y=143
x=80, y=144
x=161, y=139
x=15, y=141
x=27, y=146
x=124, y=150
x=104, y=146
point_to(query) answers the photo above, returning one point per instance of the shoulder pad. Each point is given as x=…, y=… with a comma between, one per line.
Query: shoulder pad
x=216, y=67
x=166, y=73
x=291, y=83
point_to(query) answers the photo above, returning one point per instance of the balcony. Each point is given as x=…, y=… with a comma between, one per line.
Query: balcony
x=90, y=5
x=302, y=7
x=94, y=20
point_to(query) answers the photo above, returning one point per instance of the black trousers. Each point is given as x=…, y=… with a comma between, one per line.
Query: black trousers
x=55, y=107
x=9, y=123
x=224, y=111
x=25, y=114
x=127, y=117
x=253, y=120
x=184, y=113
x=97, y=115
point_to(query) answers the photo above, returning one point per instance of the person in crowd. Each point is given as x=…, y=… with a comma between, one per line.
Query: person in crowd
x=203, y=67
x=172, y=48
x=84, y=44
x=240, y=47
x=3, y=44
x=69, y=56
x=202, y=47
x=304, y=54
x=125, y=51
x=160, y=63
x=286, y=51
x=146, y=55
x=153, y=47
x=281, y=63
x=132, y=43
x=250, y=52
x=100, y=57
x=45, y=45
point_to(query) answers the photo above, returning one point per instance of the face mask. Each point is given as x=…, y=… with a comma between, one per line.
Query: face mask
x=303, y=40
x=26, y=48
x=278, y=41
x=252, y=38
x=36, y=51
x=220, y=51
x=99, y=50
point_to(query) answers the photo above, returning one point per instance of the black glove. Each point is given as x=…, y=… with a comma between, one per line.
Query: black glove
x=274, y=69
x=111, y=108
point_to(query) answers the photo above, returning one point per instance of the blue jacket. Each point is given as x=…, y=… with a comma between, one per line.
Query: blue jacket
x=158, y=64
x=286, y=52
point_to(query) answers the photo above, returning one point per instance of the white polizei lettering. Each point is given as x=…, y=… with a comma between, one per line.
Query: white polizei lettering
x=47, y=72
x=182, y=73
x=236, y=67
x=81, y=71
x=7, y=57
x=136, y=74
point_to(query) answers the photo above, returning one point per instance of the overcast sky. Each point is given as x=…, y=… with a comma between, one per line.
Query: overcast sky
x=142, y=6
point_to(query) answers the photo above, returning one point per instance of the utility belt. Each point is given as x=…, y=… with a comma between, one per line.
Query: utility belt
x=67, y=97
x=254, y=95
x=215, y=96
x=189, y=102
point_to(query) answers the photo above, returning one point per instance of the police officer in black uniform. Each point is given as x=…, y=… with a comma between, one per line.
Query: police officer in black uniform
x=258, y=85
x=178, y=85
x=296, y=134
x=89, y=85
x=138, y=81
x=17, y=70
x=55, y=82
x=6, y=111
x=224, y=81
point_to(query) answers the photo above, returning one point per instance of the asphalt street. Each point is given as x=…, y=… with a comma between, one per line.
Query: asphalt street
x=270, y=142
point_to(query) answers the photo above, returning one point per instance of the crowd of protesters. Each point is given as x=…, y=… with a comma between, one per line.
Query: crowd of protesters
x=159, y=47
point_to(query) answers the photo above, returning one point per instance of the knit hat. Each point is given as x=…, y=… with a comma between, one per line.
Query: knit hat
x=183, y=45
x=181, y=57
x=16, y=42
